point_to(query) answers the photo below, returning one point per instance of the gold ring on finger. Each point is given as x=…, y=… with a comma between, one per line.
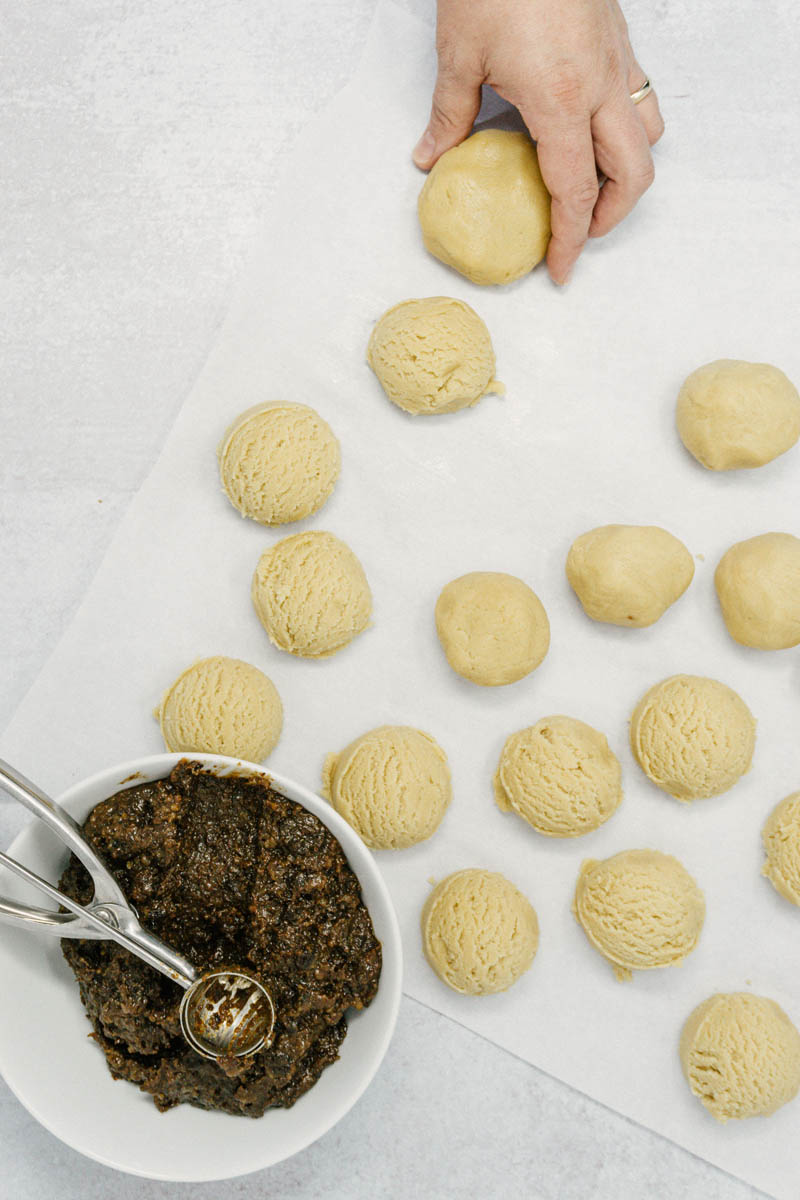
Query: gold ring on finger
x=641, y=92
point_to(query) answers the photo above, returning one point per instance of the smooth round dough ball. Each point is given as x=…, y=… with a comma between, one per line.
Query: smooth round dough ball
x=741, y=1055
x=733, y=414
x=781, y=840
x=484, y=208
x=758, y=585
x=278, y=462
x=628, y=574
x=492, y=626
x=221, y=706
x=693, y=737
x=479, y=933
x=433, y=356
x=560, y=776
x=311, y=594
x=391, y=784
x=640, y=909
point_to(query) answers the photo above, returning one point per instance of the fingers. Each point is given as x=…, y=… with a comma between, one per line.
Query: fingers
x=567, y=163
x=647, y=110
x=456, y=101
x=622, y=150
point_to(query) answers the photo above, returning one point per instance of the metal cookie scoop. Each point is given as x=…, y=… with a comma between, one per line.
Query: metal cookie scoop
x=222, y=1014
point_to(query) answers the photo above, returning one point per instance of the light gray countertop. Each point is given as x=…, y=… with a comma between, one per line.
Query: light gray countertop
x=142, y=140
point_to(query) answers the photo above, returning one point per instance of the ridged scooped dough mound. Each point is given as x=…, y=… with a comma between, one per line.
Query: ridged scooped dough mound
x=741, y=1055
x=392, y=785
x=560, y=776
x=479, y=932
x=278, y=462
x=781, y=839
x=221, y=706
x=640, y=909
x=693, y=736
x=628, y=574
x=311, y=594
x=734, y=414
x=484, y=208
x=758, y=586
x=433, y=356
x=492, y=627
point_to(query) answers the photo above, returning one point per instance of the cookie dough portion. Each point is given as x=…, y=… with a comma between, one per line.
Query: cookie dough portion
x=492, y=626
x=221, y=706
x=640, y=909
x=484, y=208
x=692, y=736
x=278, y=462
x=741, y=1055
x=628, y=574
x=433, y=356
x=479, y=933
x=311, y=594
x=560, y=776
x=392, y=785
x=733, y=414
x=781, y=840
x=758, y=585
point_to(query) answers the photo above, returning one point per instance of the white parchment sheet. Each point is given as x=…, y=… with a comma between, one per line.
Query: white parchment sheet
x=584, y=436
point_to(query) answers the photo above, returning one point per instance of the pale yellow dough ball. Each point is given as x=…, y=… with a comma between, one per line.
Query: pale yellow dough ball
x=311, y=594
x=781, y=839
x=479, y=933
x=278, y=462
x=560, y=776
x=628, y=575
x=392, y=785
x=640, y=909
x=741, y=1055
x=492, y=627
x=758, y=585
x=733, y=414
x=692, y=736
x=433, y=356
x=484, y=208
x=221, y=706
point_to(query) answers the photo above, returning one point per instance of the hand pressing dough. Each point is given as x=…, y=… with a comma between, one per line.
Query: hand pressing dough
x=692, y=736
x=479, y=933
x=758, y=585
x=628, y=574
x=733, y=414
x=740, y=1054
x=221, y=706
x=640, y=909
x=560, y=776
x=433, y=356
x=278, y=462
x=311, y=594
x=781, y=840
x=492, y=627
x=484, y=208
x=391, y=784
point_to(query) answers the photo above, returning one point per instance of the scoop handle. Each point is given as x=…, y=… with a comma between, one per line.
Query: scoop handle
x=106, y=888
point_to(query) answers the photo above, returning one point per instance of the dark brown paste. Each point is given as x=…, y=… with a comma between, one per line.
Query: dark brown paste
x=229, y=873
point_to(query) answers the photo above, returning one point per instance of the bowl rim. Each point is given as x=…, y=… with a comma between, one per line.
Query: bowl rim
x=147, y=768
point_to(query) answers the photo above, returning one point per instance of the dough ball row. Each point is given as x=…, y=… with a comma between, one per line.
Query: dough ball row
x=739, y=1052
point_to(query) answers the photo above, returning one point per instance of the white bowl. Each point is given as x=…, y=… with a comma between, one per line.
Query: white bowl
x=61, y=1076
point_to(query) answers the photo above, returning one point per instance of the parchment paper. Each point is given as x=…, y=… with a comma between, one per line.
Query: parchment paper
x=584, y=436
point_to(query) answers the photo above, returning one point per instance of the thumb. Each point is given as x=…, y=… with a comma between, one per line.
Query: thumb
x=456, y=102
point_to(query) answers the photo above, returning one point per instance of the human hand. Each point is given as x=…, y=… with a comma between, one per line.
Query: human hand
x=568, y=66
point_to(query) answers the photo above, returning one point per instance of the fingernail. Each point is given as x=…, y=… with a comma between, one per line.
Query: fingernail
x=424, y=149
